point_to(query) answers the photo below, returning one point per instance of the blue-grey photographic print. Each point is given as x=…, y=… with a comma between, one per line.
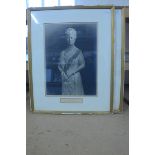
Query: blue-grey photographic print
x=71, y=58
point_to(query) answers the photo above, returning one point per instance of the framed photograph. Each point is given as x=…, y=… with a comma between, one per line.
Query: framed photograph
x=71, y=59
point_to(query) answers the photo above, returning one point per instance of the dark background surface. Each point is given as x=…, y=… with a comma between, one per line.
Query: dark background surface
x=55, y=42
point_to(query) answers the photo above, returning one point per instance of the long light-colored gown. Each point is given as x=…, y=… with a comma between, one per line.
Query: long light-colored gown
x=69, y=64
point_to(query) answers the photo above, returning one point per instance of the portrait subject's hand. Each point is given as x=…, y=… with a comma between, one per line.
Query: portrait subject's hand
x=70, y=74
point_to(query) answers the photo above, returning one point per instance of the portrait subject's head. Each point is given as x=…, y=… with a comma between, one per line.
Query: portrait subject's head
x=70, y=36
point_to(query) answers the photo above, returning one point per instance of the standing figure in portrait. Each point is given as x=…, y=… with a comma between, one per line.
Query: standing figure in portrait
x=70, y=64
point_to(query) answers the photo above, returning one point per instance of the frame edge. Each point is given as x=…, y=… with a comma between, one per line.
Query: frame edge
x=30, y=61
x=112, y=59
x=122, y=61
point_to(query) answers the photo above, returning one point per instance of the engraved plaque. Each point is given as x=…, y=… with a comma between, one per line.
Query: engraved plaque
x=71, y=100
